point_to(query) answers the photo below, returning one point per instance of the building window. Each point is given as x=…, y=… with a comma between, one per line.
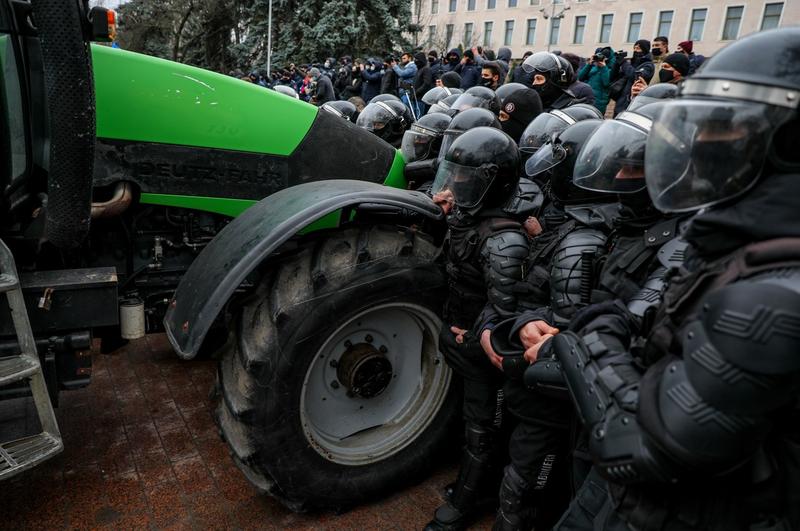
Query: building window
x=530, y=34
x=605, y=27
x=772, y=15
x=431, y=35
x=470, y=5
x=453, y=6
x=664, y=23
x=580, y=28
x=557, y=2
x=634, y=27
x=487, y=34
x=491, y=4
x=434, y=7
x=448, y=35
x=533, y=2
x=512, y=3
x=697, y=24
x=555, y=29
x=733, y=21
x=509, y=33
x=468, y=35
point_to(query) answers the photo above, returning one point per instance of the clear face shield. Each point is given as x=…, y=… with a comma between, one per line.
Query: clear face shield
x=418, y=143
x=701, y=152
x=612, y=160
x=467, y=185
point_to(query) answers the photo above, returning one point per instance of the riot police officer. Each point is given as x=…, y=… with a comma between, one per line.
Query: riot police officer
x=552, y=77
x=477, y=177
x=705, y=437
x=386, y=119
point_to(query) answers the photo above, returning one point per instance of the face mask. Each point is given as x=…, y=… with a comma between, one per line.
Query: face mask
x=637, y=55
x=487, y=82
x=513, y=128
x=656, y=52
x=665, y=76
x=548, y=93
x=327, y=64
x=431, y=60
x=452, y=60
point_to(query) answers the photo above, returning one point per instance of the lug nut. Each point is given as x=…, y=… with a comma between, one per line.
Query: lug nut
x=383, y=349
x=334, y=363
x=368, y=338
x=335, y=384
x=348, y=344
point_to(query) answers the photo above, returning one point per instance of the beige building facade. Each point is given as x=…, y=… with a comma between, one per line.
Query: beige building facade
x=580, y=26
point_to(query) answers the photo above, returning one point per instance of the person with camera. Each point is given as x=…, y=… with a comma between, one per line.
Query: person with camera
x=639, y=66
x=597, y=73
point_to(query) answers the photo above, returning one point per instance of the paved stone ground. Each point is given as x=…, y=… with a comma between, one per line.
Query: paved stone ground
x=142, y=452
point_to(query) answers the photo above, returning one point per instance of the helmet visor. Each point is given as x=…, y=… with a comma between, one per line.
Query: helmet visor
x=545, y=159
x=468, y=101
x=374, y=118
x=540, y=131
x=447, y=141
x=541, y=62
x=702, y=152
x=612, y=160
x=467, y=185
x=437, y=94
x=417, y=144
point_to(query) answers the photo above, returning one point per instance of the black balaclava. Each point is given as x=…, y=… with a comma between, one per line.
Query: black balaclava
x=521, y=107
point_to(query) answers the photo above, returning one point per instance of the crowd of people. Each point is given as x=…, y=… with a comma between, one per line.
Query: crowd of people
x=624, y=292
x=604, y=76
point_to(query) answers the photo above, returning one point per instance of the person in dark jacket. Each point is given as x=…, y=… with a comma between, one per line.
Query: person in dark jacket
x=324, y=88
x=579, y=88
x=354, y=87
x=469, y=71
x=435, y=64
x=695, y=61
x=451, y=61
x=371, y=74
x=423, y=82
x=640, y=65
x=390, y=80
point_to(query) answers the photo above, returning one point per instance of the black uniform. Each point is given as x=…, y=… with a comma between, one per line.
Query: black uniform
x=699, y=429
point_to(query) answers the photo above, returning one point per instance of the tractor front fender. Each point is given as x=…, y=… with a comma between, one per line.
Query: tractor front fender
x=250, y=239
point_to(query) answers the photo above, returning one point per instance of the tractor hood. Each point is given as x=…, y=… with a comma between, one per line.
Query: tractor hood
x=197, y=139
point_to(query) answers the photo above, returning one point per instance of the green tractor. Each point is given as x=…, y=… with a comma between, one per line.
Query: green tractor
x=142, y=196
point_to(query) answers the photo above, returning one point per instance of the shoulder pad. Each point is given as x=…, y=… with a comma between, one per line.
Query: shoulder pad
x=672, y=253
x=600, y=216
x=756, y=324
x=527, y=201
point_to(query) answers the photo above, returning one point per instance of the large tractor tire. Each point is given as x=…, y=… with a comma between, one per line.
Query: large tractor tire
x=333, y=388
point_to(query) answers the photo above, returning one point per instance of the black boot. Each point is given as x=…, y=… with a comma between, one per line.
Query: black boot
x=515, y=513
x=461, y=509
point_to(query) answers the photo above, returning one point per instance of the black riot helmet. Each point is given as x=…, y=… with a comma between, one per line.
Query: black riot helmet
x=504, y=91
x=437, y=94
x=612, y=161
x=544, y=126
x=385, y=97
x=736, y=115
x=386, y=119
x=480, y=170
x=481, y=97
x=463, y=122
x=443, y=106
x=555, y=162
x=557, y=74
x=287, y=90
x=423, y=140
x=658, y=92
x=342, y=109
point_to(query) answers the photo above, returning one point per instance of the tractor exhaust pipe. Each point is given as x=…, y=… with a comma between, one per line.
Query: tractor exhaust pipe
x=119, y=203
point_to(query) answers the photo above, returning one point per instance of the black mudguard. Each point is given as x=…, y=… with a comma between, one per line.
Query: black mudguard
x=250, y=238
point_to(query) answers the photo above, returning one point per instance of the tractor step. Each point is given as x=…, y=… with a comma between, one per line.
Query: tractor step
x=8, y=282
x=14, y=368
x=22, y=454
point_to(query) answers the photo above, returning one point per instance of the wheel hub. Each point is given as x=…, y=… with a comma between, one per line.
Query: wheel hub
x=364, y=370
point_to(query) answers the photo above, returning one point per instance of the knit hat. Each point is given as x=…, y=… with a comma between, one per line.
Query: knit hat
x=679, y=62
x=686, y=46
x=522, y=107
x=644, y=44
x=451, y=80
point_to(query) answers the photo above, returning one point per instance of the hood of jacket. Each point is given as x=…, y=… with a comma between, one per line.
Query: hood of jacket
x=504, y=54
